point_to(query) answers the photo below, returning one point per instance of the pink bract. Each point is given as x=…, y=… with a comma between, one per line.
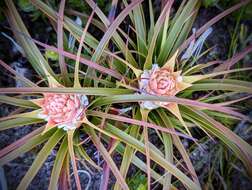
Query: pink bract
x=63, y=109
x=162, y=82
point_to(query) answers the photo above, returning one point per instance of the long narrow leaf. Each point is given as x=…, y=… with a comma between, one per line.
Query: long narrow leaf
x=112, y=28
x=17, y=75
x=12, y=123
x=17, y=102
x=40, y=159
x=20, y=142
x=58, y=164
x=69, y=24
x=163, y=16
x=60, y=33
x=183, y=101
x=108, y=159
x=154, y=156
x=86, y=91
x=32, y=52
x=202, y=29
x=120, y=43
x=33, y=142
x=135, y=122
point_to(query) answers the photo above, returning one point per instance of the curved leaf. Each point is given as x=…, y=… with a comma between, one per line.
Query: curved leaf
x=40, y=159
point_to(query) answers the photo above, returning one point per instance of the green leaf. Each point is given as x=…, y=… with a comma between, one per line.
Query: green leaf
x=140, y=26
x=182, y=101
x=17, y=75
x=211, y=22
x=209, y=3
x=111, y=30
x=58, y=164
x=60, y=43
x=138, y=162
x=11, y=123
x=168, y=152
x=241, y=148
x=69, y=24
x=179, y=30
x=51, y=55
x=151, y=16
x=83, y=155
x=77, y=62
x=178, y=144
x=70, y=134
x=86, y=91
x=116, y=37
x=17, y=102
x=162, y=18
x=153, y=155
x=128, y=152
x=107, y=158
x=32, y=52
x=219, y=84
x=25, y=5
x=34, y=141
x=20, y=142
x=40, y=159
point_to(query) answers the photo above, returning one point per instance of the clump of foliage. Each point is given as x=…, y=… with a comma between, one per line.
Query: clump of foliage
x=135, y=82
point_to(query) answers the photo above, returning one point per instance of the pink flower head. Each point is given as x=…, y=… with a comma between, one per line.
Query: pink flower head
x=160, y=82
x=63, y=110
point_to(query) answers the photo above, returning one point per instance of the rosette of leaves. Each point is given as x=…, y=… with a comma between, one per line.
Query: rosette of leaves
x=114, y=69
